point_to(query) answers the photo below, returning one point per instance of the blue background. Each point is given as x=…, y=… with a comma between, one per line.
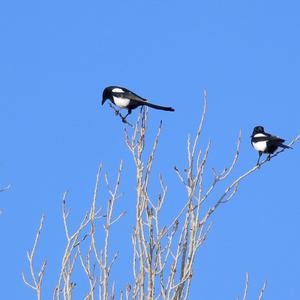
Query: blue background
x=56, y=58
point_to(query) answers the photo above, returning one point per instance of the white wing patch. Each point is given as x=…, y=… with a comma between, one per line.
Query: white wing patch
x=121, y=102
x=117, y=90
x=259, y=135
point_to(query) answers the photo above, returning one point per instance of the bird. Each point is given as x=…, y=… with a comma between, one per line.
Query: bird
x=127, y=99
x=264, y=142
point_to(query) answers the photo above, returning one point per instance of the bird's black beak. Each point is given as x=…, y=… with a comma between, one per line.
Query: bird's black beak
x=103, y=100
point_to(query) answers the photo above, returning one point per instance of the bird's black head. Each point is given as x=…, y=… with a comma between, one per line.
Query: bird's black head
x=106, y=94
x=258, y=129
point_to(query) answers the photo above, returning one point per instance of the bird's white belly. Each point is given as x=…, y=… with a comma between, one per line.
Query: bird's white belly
x=121, y=102
x=260, y=146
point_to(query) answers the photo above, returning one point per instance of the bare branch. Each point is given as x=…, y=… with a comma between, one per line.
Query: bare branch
x=5, y=188
x=246, y=287
x=36, y=278
x=262, y=291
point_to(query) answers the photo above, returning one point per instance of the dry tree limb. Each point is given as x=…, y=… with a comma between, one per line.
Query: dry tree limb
x=261, y=293
x=90, y=273
x=246, y=286
x=37, y=279
x=104, y=261
x=97, y=263
x=5, y=188
x=96, y=260
x=65, y=285
x=147, y=233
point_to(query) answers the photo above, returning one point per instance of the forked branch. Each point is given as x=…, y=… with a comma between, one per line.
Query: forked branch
x=37, y=279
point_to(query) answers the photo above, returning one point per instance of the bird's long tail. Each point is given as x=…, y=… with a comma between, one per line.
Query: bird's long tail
x=159, y=107
x=285, y=146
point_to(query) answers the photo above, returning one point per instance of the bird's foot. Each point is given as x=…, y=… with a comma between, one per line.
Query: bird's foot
x=258, y=163
x=269, y=157
x=117, y=112
x=125, y=121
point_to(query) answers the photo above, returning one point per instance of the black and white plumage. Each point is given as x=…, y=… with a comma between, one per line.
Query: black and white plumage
x=124, y=98
x=265, y=142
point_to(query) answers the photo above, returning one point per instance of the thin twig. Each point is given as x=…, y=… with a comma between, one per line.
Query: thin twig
x=5, y=188
x=246, y=287
x=37, y=279
x=262, y=291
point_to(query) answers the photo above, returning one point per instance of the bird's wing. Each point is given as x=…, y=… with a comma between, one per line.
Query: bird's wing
x=129, y=95
x=265, y=137
x=277, y=139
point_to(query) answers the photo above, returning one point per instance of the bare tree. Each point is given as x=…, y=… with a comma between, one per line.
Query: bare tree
x=163, y=254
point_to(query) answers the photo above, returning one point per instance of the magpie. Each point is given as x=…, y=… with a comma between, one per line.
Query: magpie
x=265, y=142
x=124, y=98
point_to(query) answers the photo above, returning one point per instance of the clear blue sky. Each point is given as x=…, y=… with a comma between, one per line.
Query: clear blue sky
x=57, y=56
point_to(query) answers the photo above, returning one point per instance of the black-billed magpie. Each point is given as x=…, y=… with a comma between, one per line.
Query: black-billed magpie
x=124, y=98
x=265, y=142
